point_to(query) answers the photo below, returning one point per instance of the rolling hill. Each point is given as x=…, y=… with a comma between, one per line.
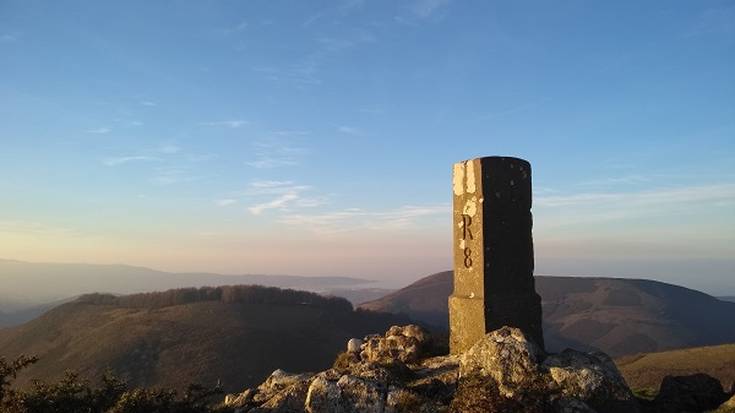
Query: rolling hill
x=617, y=316
x=238, y=335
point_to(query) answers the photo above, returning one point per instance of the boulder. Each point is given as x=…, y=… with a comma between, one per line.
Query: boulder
x=404, y=343
x=323, y=396
x=506, y=356
x=693, y=393
x=591, y=378
x=354, y=345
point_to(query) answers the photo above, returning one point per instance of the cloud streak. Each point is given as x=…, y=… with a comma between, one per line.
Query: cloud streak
x=357, y=219
x=349, y=130
x=284, y=196
x=99, y=131
x=674, y=196
x=122, y=160
x=274, y=153
x=425, y=8
x=233, y=124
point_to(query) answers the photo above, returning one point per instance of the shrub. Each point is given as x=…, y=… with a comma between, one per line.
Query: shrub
x=74, y=395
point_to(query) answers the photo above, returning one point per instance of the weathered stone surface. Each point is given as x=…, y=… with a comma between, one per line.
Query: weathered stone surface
x=591, y=378
x=278, y=381
x=506, y=356
x=362, y=395
x=289, y=400
x=693, y=393
x=354, y=345
x=406, y=343
x=241, y=399
x=503, y=372
x=323, y=396
x=493, y=252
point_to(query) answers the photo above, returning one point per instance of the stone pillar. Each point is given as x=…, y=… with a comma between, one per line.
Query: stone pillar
x=493, y=252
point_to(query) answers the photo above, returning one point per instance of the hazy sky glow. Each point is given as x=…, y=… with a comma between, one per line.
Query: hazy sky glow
x=317, y=138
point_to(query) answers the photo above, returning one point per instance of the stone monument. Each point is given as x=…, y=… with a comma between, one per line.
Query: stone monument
x=493, y=252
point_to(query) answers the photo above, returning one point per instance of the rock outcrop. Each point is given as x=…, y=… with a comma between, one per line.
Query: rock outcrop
x=396, y=372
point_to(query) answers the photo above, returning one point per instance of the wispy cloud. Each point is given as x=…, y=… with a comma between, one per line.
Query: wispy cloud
x=288, y=132
x=425, y=8
x=275, y=153
x=236, y=28
x=280, y=202
x=148, y=103
x=268, y=162
x=8, y=37
x=99, y=131
x=357, y=219
x=583, y=209
x=617, y=180
x=643, y=198
x=235, y=123
x=274, y=187
x=349, y=130
x=225, y=202
x=304, y=72
x=33, y=227
x=714, y=21
x=169, y=175
x=339, y=9
x=283, y=195
x=121, y=160
x=169, y=149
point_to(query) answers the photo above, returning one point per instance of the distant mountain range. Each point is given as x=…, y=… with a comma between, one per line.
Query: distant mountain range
x=238, y=335
x=617, y=316
x=26, y=285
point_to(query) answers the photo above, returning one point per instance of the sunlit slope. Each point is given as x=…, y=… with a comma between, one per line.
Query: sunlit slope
x=645, y=371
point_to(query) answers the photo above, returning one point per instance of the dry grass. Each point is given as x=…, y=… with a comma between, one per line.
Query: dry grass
x=645, y=371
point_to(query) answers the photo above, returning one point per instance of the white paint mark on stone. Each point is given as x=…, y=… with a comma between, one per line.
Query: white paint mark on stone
x=470, y=207
x=458, y=179
x=471, y=187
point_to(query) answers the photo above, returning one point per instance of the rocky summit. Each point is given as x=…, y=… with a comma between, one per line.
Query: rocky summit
x=400, y=371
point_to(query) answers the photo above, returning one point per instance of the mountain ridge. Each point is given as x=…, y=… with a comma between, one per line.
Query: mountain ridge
x=616, y=315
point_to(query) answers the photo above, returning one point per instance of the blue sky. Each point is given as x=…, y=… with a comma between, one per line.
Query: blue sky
x=318, y=137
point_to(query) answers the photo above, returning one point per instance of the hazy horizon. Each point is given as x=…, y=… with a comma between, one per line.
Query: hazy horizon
x=318, y=138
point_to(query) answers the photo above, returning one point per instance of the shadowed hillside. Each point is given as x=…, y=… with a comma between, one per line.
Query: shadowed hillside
x=236, y=334
x=645, y=371
x=618, y=316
